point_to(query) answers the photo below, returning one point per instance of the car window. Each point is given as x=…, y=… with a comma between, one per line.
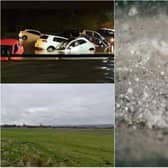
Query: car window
x=89, y=33
x=34, y=32
x=58, y=39
x=106, y=32
x=72, y=44
x=96, y=35
x=110, y=33
x=81, y=42
x=77, y=43
x=6, y=50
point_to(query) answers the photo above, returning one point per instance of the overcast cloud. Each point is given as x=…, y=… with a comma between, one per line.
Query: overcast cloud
x=57, y=104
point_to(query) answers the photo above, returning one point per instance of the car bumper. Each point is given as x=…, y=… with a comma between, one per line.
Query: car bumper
x=41, y=46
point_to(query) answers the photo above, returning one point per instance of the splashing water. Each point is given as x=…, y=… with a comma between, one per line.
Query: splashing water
x=141, y=67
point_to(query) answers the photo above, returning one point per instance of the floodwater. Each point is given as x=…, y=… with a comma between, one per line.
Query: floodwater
x=46, y=70
x=60, y=71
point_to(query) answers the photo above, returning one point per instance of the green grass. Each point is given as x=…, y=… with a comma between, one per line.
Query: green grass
x=57, y=147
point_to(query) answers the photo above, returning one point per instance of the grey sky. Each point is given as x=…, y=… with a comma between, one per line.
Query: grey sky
x=57, y=104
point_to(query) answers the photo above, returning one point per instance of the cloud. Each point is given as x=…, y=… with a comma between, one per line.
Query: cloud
x=36, y=109
x=57, y=104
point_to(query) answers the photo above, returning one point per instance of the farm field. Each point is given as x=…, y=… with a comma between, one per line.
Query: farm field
x=57, y=147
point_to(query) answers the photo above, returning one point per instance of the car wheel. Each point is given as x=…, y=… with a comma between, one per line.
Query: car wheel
x=24, y=37
x=50, y=49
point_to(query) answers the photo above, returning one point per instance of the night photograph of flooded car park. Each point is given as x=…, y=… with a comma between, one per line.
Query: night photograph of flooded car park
x=74, y=30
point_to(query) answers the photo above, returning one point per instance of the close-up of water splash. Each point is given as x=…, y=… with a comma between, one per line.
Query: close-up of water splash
x=141, y=83
x=141, y=63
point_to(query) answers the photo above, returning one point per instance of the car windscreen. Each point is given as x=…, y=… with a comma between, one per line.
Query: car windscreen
x=6, y=50
x=106, y=32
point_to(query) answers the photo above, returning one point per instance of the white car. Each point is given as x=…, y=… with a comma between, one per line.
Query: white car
x=80, y=45
x=29, y=35
x=49, y=42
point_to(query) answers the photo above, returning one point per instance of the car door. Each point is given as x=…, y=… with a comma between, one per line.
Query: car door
x=56, y=42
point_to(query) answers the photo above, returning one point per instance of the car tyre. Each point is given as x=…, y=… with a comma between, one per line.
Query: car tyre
x=50, y=49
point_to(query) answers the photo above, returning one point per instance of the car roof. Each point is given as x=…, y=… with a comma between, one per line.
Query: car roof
x=54, y=36
x=59, y=37
x=89, y=30
x=93, y=31
x=32, y=30
x=8, y=41
x=81, y=38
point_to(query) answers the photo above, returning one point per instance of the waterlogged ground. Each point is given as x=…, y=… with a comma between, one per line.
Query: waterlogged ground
x=57, y=147
x=141, y=79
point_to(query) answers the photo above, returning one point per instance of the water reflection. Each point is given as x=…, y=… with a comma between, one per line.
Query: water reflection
x=57, y=52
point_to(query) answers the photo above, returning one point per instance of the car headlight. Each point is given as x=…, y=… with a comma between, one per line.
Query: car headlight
x=112, y=40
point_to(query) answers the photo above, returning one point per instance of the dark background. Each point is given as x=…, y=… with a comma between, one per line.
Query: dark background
x=55, y=16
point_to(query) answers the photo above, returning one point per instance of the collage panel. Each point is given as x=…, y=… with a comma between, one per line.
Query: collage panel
x=57, y=84
x=141, y=80
x=57, y=42
x=57, y=125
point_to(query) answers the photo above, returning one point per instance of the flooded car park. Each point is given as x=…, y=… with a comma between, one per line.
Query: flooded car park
x=76, y=58
x=78, y=62
x=58, y=66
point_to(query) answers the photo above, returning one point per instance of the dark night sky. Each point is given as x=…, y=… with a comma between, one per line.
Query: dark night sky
x=45, y=5
x=54, y=16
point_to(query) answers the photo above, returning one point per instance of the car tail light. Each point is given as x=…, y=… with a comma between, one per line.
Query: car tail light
x=3, y=58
